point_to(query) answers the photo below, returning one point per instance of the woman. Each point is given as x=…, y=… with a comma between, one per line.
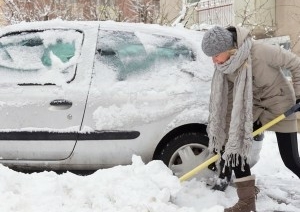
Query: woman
x=249, y=87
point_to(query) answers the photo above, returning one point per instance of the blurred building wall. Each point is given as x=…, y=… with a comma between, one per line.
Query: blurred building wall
x=288, y=21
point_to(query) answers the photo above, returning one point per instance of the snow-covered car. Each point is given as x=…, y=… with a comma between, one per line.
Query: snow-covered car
x=89, y=95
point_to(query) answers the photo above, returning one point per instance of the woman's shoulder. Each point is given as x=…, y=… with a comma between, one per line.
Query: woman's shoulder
x=262, y=47
x=264, y=51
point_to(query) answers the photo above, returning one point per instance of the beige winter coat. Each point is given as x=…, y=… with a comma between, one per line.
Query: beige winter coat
x=273, y=94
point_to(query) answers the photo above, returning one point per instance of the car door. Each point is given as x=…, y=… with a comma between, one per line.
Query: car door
x=42, y=93
x=129, y=102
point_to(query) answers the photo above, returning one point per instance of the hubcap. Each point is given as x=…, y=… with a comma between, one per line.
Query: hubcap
x=189, y=157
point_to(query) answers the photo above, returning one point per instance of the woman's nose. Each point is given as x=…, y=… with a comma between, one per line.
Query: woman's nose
x=214, y=59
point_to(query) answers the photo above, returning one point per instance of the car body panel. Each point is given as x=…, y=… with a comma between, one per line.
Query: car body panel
x=153, y=108
x=26, y=110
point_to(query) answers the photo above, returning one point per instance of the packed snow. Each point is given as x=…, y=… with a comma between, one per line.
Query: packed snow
x=143, y=187
x=145, y=92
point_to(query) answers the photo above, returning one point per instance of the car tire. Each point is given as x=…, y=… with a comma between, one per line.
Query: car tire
x=185, y=152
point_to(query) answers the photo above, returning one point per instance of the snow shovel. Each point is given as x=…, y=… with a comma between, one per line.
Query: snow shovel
x=256, y=132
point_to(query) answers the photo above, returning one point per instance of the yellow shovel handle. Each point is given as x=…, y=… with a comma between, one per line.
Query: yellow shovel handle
x=268, y=125
x=199, y=168
x=256, y=132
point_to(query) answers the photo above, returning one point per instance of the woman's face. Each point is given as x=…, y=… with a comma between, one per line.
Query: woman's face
x=221, y=58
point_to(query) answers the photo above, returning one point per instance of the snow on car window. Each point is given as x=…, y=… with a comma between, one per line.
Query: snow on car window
x=143, y=80
x=127, y=54
x=165, y=46
x=39, y=57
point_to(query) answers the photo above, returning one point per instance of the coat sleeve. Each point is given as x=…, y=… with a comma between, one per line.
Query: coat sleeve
x=280, y=58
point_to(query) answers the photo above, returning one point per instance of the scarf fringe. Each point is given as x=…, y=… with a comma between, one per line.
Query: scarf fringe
x=234, y=159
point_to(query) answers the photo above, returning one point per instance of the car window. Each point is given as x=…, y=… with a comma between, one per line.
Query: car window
x=39, y=57
x=129, y=53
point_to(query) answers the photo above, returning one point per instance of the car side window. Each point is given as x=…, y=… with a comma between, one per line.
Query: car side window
x=130, y=53
x=43, y=57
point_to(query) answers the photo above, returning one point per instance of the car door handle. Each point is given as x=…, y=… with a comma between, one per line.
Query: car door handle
x=60, y=104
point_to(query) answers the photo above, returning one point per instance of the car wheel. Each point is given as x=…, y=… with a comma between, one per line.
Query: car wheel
x=185, y=152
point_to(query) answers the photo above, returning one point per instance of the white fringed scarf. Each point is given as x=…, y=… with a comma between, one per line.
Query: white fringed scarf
x=241, y=125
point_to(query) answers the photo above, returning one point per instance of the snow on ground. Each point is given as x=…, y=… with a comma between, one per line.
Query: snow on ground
x=144, y=188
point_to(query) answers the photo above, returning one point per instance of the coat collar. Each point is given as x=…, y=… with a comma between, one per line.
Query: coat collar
x=242, y=34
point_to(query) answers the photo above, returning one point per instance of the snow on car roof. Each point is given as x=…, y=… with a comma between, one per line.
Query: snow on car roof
x=57, y=23
x=73, y=24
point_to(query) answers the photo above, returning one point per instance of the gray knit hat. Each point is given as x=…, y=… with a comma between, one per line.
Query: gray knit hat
x=216, y=40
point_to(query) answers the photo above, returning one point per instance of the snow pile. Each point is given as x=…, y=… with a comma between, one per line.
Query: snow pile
x=145, y=188
x=137, y=187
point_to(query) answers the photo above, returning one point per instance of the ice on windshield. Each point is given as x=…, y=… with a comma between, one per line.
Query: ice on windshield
x=39, y=57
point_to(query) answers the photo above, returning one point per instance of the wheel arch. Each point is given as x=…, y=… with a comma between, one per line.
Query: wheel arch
x=195, y=127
